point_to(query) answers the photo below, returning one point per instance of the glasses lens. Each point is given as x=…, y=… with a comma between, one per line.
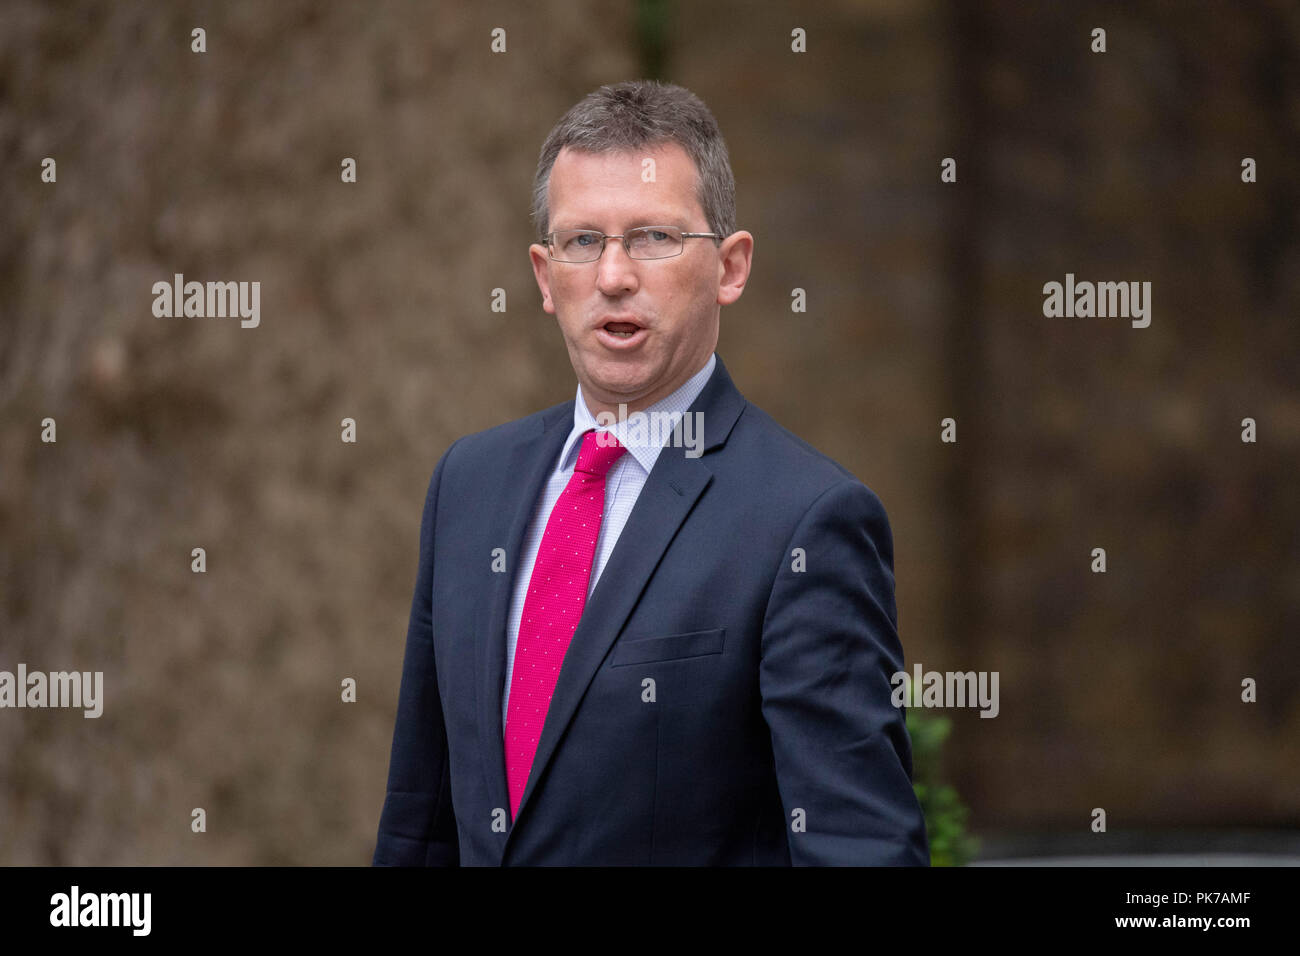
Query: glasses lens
x=654, y=242
x=575, y=245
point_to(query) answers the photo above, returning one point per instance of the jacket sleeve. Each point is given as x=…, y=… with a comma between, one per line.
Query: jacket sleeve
x=417, y=826
x=829, y=648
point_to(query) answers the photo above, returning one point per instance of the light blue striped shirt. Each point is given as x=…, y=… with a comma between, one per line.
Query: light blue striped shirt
x=623, y=486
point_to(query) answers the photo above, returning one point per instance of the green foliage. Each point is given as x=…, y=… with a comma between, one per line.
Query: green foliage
x=653, y=19
x=945, y=814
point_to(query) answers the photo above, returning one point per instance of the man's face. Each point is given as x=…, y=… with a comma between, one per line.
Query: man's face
x=674, y=302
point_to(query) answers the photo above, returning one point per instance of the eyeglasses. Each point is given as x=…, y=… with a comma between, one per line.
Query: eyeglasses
x=644, y=242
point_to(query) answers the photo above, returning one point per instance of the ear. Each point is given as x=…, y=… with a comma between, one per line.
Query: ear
x=541, y=260
x=734, y=258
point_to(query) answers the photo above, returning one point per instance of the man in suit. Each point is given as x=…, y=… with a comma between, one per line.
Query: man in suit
x=631, y=650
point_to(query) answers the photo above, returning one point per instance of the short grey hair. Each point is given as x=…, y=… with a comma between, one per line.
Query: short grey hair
x=636, y=114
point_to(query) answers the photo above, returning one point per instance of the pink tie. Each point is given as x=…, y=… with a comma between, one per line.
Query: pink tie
x=557, y=592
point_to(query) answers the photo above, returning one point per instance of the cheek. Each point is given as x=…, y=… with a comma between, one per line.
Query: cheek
x=567, y=300
x=559, y=289
x=694, y=293
x=681, y=289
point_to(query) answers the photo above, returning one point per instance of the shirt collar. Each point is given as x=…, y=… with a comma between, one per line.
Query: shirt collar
x=646, y=454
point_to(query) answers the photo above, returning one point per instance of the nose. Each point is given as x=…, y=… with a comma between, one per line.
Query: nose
x=615, y=271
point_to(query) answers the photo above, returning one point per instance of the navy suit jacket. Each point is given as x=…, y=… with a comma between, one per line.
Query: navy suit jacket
x=725, y=699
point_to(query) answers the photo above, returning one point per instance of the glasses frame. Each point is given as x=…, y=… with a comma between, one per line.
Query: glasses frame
x=549, y=242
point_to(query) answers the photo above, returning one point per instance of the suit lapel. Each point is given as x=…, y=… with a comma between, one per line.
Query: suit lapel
x=670, y=492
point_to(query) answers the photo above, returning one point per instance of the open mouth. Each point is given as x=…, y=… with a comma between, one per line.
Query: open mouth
x=621, y=335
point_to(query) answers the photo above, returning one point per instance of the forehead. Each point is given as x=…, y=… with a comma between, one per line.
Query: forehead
x=619, y=189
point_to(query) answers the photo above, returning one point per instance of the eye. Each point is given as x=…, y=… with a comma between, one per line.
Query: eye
x=577, y=241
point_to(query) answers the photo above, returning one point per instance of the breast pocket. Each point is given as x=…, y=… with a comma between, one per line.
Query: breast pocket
x=669, y=647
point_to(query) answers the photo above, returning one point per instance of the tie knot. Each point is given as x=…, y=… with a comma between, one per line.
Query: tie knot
x=598, y=454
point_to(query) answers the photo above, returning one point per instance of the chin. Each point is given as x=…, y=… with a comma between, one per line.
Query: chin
x=620, y=388
x=616, y=369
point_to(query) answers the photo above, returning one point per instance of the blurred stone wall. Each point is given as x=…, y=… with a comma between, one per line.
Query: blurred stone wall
x=1087, y=432
x=1118, y=690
